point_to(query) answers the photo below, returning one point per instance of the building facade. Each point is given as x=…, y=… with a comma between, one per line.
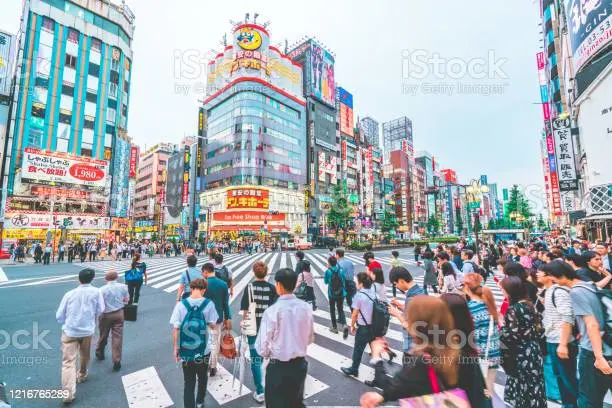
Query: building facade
x=68, y=151
x=254, y=139
x=371, y=131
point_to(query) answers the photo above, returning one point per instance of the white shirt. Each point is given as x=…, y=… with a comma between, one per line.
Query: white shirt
x=286, y=329
x=79, y=310
x=210, y=316
x=113, y=294
x=364, y=302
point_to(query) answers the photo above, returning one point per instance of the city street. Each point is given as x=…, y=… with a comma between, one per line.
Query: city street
x=149, y=375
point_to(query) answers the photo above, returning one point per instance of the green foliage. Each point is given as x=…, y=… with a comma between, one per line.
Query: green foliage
x=389, y=224
x=477, y=225
x=360, y=246
x=433, y=225
x=459, y=220
x=339, y=215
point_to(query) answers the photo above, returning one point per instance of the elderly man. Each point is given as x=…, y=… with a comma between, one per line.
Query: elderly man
x=115, y=296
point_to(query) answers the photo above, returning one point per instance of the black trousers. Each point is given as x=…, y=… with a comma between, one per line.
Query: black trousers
x=134, y=290
x=351, y=289
x=191, y=371
x=285, y=383
x=60, y=257
x=334, y=304
x=46, y=257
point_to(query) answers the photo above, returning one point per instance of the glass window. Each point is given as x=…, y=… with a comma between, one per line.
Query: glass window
x=40, y=94
x=72, y=48
x=111, y=115
x=86, y=149
x=92, y=83
x=46, y=38
x=66, y=102
x=108, y=140
x=96, y=45
x=112, y=90
x=62, y=145
x=69, y=75
x=90, y=109
x=70, y=61
x=88, y=136
x=48, y=24
x=43, y=61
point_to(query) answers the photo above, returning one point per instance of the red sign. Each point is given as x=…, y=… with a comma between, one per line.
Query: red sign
x=133, y=161
x=450, y=176
x=346, y=120
x=248, y=198
x=370, y=166
x=247, y=216
x=540, y=59
x=162, y=196
x=85, y=172
x=41, y=191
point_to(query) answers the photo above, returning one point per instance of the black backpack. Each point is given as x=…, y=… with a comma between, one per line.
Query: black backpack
x=380, y=316
x=223, y=274
x=478, y=269
x=336, y=283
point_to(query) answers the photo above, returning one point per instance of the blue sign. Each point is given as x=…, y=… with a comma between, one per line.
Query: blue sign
x=544, y=93
x=345, y=97
x=120, y=190
x=552, y=163
x=484, y=180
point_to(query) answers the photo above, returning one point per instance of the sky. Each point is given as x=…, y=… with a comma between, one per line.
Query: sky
x=380, y=50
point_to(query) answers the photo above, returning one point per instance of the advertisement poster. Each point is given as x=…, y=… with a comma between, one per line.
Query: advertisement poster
x=590, y=28
x=564, y=147
x=174, y=189
x=119, y=202
x=7, y=50
x=248, y=198
x=133, y=161
x=321, y=78
x=72, y=222
x=57, y=167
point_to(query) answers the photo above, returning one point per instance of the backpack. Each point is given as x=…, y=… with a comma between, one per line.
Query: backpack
x=380, y=316
x=193, y=333
x=134, y=274
x=604, y=296
x=478, y=269
x=223, y=274
x=335, y=285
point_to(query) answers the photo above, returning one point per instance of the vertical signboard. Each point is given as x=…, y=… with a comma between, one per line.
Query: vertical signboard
x=186, y=168
x=174, y=188
x=564, y=146
x=120, y=188
x=7, y=48
x=133, y=161
x=321, y=82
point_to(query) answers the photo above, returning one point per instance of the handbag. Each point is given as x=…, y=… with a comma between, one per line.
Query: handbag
x=302, y=291
x=456, y=397
x=484, y=363
x=228, y=345
x=249, y=325
x=130, y=313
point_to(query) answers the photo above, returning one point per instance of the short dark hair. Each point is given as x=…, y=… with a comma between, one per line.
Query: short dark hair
x=379, y=275
x=332, y=261
x=364, y=279
x=287, y=278
x=300, y=255
x=368, y=255
x=427, y=255
x=218, y=258
x=577, y=259
x=468, y=253
x=588, y=255
x=399, y=272
x=558, y=269
x=192, y=261
x=86, y=275
x=208, y=267
x=395, y=254
x=340, y=252
x=306, y=266
x=444, y=255
x=515, y=288
x=198, y=283
x=515, y=269
x=447, y=269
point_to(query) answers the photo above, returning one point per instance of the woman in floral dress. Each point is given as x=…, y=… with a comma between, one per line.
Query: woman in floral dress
x=522, y=332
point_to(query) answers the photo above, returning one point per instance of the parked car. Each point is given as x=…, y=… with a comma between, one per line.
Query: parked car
x=327, y=242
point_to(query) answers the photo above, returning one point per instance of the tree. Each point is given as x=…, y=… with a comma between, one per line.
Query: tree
x=517, y=205
x=459, y=221
x=389, y=224
x=433, y=225
x=340, y=212
x=477, y=225
x=542, y=225
x=492, y=224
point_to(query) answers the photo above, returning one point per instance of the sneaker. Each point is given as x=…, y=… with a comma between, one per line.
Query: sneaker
x=333, y=330
x=345, y=332
x=213, y=372
x=259, y=398
x=68, y=401
x=135, y=303
x=82, y=378
x=99, y=356
x=349, y=371
x=117, y=366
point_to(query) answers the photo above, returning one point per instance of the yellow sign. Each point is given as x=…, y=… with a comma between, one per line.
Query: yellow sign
x=248, y=39
x=11, y=233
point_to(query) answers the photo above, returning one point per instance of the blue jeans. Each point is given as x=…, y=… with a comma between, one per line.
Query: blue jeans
x=593, y=384
x=256, y=362
x=565, y=372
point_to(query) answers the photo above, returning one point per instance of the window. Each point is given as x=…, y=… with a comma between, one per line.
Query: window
x=90, y=109
x=66, y=102
x=69, y=75
x=40, y=95
x=94, y=69
x=48, y=24
x=112, y=91
x=111, y=115
x=43, y=61
x=96, y=45
x=108, y=140
x=86, y=150
x=88, y=136
x=62, y=145
x=92, y=83
x=63, y=136
x=46, y=38
x=70, y=61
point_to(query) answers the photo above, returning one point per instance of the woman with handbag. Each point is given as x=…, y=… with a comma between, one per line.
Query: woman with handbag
x=304, y=288
x=258, y=296
x=522, y=357
x=434, y=369
x=134, y=279
x=481, y=304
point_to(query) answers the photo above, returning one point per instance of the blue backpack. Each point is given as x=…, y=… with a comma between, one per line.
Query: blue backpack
x=193, y=333
x=135, y=274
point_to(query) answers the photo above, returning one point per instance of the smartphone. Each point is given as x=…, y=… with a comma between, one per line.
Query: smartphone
x=496, y=279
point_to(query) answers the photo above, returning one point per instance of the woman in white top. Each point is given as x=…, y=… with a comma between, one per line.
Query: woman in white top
x=379, y=284
x=449, y=278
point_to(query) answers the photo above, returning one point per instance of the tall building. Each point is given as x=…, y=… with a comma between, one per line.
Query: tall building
x=397, y=135
x=323, y=98
x=371, y=131
x=255, y=139
x=425, y=161
x=402, y=194
x=150, y=190
x=68, y=149
x=7, y=57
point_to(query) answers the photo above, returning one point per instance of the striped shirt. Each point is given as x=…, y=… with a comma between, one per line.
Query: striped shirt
x=264, y=296
x=557, y=312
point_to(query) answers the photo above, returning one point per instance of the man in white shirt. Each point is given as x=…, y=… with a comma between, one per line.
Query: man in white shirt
x=78, y=312
x=115, y=296
x=285, y=332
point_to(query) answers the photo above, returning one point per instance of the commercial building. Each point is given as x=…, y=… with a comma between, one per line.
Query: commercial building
x=67, y=148
x=150, y=190
x=255, y=139
x=426, y=162
x=323, y=154
x=371, y=131
x=402, y=194
x=397, y=135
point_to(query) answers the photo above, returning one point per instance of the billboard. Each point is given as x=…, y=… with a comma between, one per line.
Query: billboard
x=247, y=198
x=7, y=49
x=120, y=190
x=34, y=220
x=186, y=168
x=450, y=176
x=43, y=166
x=328, y=167
x=347, y=124
x=590, y=28
x=174, y=189
x=134, y=153
x=321, y=81
x=564, y=146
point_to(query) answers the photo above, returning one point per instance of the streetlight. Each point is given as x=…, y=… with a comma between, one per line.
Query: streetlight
x=474, y=192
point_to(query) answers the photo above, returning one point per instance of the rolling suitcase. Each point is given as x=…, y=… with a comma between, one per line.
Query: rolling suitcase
x=130, y=312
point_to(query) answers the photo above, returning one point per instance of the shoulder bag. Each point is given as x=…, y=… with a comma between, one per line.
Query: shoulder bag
x=249, y=324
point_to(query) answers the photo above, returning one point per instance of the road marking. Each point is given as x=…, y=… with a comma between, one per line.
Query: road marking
x=3, y=277
x=392, y=334
x=144, y=389
x=238, y=287
x=313, y=386
x=283, y=261
x=220, y=386
x=319, y=282
x=337, y=361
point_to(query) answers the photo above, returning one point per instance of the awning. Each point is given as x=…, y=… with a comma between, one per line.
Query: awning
x=223, y=228
x=602, y=217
